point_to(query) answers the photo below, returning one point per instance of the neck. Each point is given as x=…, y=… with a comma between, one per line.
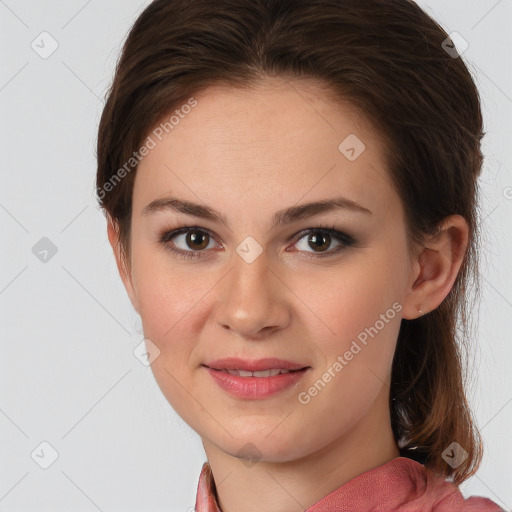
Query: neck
x=297, y=484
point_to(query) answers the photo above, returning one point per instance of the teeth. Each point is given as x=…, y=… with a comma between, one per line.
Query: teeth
x=263, y=373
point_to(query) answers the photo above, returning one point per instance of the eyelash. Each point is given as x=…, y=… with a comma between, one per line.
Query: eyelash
x=344, y=239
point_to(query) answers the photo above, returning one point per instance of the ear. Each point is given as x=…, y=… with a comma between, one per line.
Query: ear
x=435, y=267
x=122, y=265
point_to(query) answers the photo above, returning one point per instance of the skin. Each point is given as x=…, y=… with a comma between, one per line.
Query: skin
x=248, y=153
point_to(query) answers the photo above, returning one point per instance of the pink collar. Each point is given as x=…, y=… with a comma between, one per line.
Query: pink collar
x=400, y=485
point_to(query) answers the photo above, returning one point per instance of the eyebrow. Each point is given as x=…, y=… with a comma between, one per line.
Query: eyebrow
x=288, y=215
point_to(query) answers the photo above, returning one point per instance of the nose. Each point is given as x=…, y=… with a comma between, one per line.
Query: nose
x=253, y=301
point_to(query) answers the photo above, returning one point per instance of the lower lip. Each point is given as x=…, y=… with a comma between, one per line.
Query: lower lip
x=255, y=387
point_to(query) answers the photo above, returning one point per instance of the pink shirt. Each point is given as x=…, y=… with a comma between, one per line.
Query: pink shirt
x=401, y=485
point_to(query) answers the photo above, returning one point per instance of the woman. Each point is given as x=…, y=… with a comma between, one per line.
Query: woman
x=290, y=189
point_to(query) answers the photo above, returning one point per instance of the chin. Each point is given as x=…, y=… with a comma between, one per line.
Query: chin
x=258, y=448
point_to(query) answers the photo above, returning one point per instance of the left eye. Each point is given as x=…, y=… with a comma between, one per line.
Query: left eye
x=196, y=240
x=322, y=238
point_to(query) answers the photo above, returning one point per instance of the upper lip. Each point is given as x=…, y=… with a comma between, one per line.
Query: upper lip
x=267, y=363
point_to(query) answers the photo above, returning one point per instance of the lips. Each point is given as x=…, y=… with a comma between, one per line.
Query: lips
x=258, y=384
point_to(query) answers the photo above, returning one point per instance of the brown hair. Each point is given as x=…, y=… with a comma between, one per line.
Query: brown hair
x=388, y=58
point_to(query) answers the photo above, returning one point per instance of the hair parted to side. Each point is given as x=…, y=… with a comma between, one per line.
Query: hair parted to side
x=386, y=58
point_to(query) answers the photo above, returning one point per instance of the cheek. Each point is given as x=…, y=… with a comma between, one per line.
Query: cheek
x=344, y=301
x=169, y=305
x=361, y=314
x=167, y=297
x=166, y=310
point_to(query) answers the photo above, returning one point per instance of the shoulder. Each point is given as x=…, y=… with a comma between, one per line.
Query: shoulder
x=457, y=502
x=425, y=491
x=449, y=498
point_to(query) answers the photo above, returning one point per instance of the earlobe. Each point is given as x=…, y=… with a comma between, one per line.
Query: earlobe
x=122, y=265
x=436, y=267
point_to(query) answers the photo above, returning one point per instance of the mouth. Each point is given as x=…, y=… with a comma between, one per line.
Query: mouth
x=271, y=372
x=265, y=367
x=255, y=379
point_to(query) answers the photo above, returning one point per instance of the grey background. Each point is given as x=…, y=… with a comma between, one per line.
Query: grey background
x=68, y=373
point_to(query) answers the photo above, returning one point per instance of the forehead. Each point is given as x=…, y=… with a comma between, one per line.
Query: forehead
x=271, y=144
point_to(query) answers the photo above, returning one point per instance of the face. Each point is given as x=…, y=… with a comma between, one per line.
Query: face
x=322, y=288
